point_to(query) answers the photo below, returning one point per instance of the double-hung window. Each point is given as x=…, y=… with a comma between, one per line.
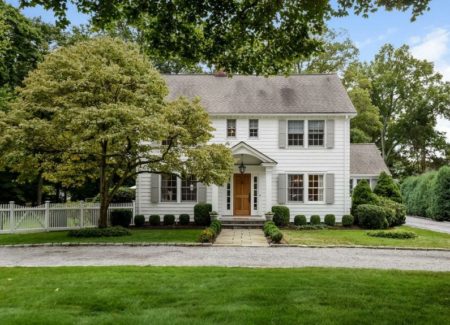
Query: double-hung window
x=315, y=188
x=168, y=188
x=189, y=189
x=295, y=188
x=295, y=133
x=316, y=132
x=253, y=128
x=231, y=128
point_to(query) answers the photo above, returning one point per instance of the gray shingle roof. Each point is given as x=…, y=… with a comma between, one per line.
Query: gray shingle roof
x=365, y=159
x=309, y=94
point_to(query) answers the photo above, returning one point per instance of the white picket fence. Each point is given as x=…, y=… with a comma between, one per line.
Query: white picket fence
x=53, y=216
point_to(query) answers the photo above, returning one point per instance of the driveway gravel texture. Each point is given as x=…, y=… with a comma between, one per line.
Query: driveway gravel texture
x=273, y=257
x=440, y=226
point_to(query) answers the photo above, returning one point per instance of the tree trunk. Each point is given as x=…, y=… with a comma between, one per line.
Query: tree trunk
x=104, y=195
x=40, y=185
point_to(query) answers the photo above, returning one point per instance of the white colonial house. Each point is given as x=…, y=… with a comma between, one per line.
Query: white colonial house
x=290, y=137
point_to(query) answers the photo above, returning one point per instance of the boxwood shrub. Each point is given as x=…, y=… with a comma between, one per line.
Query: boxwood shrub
x=154, y=220
x=300, y=220
x=169, y=220
x=281, y=215
x=395, y=212
x=393, y=234
x=371, y=216
x=272, y=231
x=330, y=220
x=314, y=220
x=139, y=220
x=121, y=217
x=184, y=219
x=347, y=220
x=201, y=214
x=99, y=232
x=210, y=234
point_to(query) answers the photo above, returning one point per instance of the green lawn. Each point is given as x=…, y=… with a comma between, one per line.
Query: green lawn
x=426, y=238
x=178, y=295
x=138, y=235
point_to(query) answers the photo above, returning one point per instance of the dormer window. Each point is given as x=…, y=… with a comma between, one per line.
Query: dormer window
x=231, y=128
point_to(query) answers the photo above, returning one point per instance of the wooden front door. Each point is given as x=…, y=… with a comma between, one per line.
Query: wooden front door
x=242, y=187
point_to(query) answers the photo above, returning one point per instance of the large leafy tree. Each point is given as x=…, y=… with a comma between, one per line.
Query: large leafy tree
x=97, y=110
x=238, y=36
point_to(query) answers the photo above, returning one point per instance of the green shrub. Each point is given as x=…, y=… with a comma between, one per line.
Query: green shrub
x=216, y=225
x=121, y=217
x=99, y=232
x=300, y=220
x=371, y=216
x=311, y=227
x=169, y=220
x=201, y=214
x=362, y=194
x=139, y=220
x=347, y=220
x=395, y=212
x=184, y=219
x=418, y=194
x=314, y=220
x=124, y=195
x=386, y=187
x=207, y=236
x=272, y=231
x=281, y=215
x=440, y=204
x=330, y=220
x=154, y=220
x=393, y=234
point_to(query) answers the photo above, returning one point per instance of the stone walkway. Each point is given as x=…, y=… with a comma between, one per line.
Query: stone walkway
x=440, y=226
x=225, y=256
x=241, y=237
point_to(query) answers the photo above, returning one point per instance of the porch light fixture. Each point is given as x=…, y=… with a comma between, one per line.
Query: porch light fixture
x=242, y=166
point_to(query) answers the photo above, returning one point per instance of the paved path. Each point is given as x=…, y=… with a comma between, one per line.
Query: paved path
x=241, y=237
x=225, y=256
x=441, y=226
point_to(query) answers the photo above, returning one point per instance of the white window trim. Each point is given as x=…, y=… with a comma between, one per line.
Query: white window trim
x=305, y=139
x=287, y=188
x=235, y=128
x=323, y=187
x=306, y=188
x=178, y=201
x=324, y=135
x=258, y=129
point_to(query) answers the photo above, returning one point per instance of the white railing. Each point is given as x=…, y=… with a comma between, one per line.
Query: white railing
x=54, y=216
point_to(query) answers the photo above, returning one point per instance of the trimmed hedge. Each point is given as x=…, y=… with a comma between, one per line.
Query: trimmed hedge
x=139, y=220
x=395, y=212
x=347, y=220
x=184, y=219
x=99, y=232
x=371, y=216
x=154, y=220
x=393, y=234
x=300, y=220
x=311, y=227
x=330, y=220
x=281, y=215
x=201, y=214
x=210, y=234
x=121, y=217
x=314, y=220
x=272, y=231
x=169, y=220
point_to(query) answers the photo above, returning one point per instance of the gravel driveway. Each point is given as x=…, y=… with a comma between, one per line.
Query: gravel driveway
x=226, y=256
x=440, y=226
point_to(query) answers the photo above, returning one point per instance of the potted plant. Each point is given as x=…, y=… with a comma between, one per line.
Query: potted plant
x=214, y=215
x=269, y=216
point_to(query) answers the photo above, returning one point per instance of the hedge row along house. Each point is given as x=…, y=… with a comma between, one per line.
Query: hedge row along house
x=290, y=137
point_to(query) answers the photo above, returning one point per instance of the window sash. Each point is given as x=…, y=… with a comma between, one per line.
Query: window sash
x=253, y=128
x=315, y=188
x=295, y=133
x=295, y=187
x=316, y=132
x=231, y=128
x=186, y=194
x=168, y=188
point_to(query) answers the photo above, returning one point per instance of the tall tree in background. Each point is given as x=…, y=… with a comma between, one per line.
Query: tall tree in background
x=238, y=36
x=96, y=110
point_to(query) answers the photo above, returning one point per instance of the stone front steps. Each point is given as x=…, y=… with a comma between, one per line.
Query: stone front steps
x=242, y=222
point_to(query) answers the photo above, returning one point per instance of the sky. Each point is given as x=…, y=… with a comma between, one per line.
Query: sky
x=428, y=36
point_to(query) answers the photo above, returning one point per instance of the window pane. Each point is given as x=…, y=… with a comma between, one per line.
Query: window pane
x=231, y=128
x=189, y=189
x=316, y=131
x=255, y=193
x=295, y=133
x=168, y=188
x=295, y=188
x=315, y=188
x=253, y=128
